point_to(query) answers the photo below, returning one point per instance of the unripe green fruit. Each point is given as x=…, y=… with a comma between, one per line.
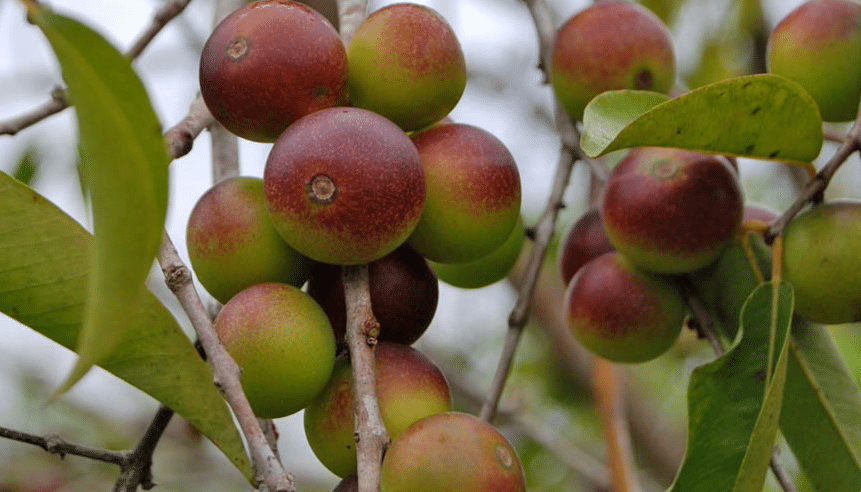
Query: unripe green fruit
x=818, y=45
x=455, y=452
x=671, y=210
x=268, y=64
x=409, y=387
x=344, y=186
x=407, y=65
x=282, y=342
x=820, y=260
x=486, y=270
x=621, y=313
x=233, y=245
x=473, y=193
x=610, y=45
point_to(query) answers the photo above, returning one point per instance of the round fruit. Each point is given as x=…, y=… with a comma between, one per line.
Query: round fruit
x=671, y=210
x=407, y=65
x=409, y=387
x=344, y=186
x=608, y=46
x=818, y=45
x=621, y=313
x=820, y=260
x=456, y=449
x=404, y=295
x=233, y=245
x=473, y=193
x=350, y=483
x=283, y=343
x=268, y=64
x=486, y=270
x=584, y=240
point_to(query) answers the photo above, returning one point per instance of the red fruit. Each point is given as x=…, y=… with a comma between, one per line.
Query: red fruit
x=671, y=210
x=344, y=186
x=404, y=295
x=268, y=64
x=583, y=241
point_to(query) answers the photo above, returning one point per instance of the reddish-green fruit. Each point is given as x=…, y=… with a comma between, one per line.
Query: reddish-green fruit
x=583, y=241
x=404, y=295
x=622, y=313
x=344, y=186
x=671, y=210
x=486, y=270
x=233, y=245
x=268, y=64
x=406, y=64
x=283, y=343
x=473, y=193
x=409, y=387
x=608, y=46
x=820, y=260
x=818, y=45
x=461, y=451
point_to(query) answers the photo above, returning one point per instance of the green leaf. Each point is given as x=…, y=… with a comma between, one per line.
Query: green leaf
x=759, y=116
x=733, y=414
x=125, y=167
x=44, y=265
x=821, y=417
x=27, y=166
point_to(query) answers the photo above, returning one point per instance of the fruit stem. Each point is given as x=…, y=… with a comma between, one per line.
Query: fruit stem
x=371, y=436
x=605, y=387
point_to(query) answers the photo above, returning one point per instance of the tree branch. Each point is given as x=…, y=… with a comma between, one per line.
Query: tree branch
x=362, y=331
x=267, y=469
x=137, y=471
x=57, y=445
x=179, y=139
x=60, y=97
x=351, y=14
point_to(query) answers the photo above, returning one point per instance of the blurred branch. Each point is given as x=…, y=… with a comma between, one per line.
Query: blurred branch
x=606, y=388
x=569, y=153
x=267, y=469
x=351, y=14
x=815, y=189
x=362, y=331
x=225, y=152
x=180, y=137
x=57, y=445
x=60, y=97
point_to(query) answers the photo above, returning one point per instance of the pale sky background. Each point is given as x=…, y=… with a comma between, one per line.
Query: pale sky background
x=504, y=96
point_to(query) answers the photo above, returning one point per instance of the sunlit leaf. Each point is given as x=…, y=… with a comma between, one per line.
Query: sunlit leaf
x=44, y=265
x=125, y=167
x=821, y=418
x=759, y=116
x=732, y=413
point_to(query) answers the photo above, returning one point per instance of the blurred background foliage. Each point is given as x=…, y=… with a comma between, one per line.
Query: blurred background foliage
x=547, y=410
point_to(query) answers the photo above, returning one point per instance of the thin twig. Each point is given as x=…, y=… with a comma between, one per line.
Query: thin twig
x=815, y=189
x=138, y=469
x=569, y=153
x=362, y=331
x=606, y=388
x=60, y=97
x=179, y=139
x=225, y=152
x=57, y=445
x=266, y=466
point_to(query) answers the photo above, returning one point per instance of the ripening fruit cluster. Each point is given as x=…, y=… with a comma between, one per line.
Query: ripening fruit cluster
x=361, y=171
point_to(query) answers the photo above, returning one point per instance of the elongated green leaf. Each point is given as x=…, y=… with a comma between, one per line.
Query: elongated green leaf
x=760, y=116
x=821, y=418
x=732, y=413
x=44, y=264
x=125, y=164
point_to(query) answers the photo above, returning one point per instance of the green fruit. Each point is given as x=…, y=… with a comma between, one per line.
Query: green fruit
x=610, y=45
x=407, y=65
x=461, y=451
x=473, y=193
x=820, y=260
x=409, y=387
x=268, y=64
x=670, y=210
x=486, y=270
x=621, y=313
x=818, y=45
x=344, y=186
x=283, y=343
x=233, y=245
